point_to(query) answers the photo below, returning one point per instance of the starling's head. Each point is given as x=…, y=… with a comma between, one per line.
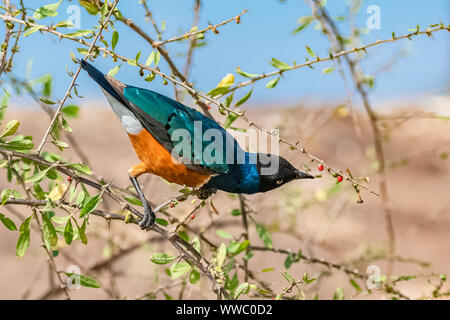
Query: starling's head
x=274, y=171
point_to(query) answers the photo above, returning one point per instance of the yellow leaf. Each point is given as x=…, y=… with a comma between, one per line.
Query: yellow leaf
x=341, y=112
x=228, y=80
x=57, y=192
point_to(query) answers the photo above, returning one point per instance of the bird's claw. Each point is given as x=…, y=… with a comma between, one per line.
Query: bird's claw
x=148, y=220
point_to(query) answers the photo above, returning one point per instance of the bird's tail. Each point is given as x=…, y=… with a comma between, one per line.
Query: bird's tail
x=110, y=85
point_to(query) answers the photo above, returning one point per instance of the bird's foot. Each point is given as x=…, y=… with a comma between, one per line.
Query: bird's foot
x=148, y=220
x=204, y=193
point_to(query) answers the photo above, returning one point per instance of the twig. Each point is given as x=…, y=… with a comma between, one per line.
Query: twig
x=74, y=78
x=210, y=27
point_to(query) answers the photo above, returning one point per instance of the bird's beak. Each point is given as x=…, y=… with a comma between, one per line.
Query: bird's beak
x=302, y=175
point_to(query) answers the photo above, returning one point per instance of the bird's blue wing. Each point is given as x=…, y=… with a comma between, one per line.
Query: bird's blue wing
x=163, y=116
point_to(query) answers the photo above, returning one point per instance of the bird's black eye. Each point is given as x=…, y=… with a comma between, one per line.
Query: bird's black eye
x=279, y=181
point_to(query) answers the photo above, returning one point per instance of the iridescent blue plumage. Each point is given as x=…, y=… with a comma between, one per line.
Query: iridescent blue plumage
x=231, y=168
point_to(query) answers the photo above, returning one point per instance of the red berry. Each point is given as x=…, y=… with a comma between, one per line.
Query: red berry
x=209, y=106
x=339, y=179
x=192, y=216
x=171, y=205
x=320, y=167
x=69, y=179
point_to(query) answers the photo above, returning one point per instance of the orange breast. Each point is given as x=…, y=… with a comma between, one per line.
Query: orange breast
x=157, y=160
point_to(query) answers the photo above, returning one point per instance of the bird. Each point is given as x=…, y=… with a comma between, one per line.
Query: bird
x=157, y=125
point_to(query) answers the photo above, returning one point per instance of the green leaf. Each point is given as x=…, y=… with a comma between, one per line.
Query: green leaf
x=150, y=59
x=161, y=258
x=327, y=70
x=246, y=74
x=68, y=232
x=24, y=238
x=92, y=8
x=224, y=234
x=49, y=232
x=310, y=52
x=115, y=39
x=91, y=204
x=235, y=248
x=230, y=119
x=49, y=10
x=134, y=201
x=85, y=281
x=303, y=23
x=194, y=276
x=235, y=212
x=10, y=128
x=244, y=288
x=7, y=222
x=244, y=98
x=47, y=101
x=183, y=235
x=71, y=111
x=64, y=24
x=179, y=268
x=162, y=222
x=32, y=30
x=221, y=254
x=339, y=294
x=80, y=33
x=65, y=125
x=355, y=285
x=114, y=71
x=38, y=176
x=280, y=65
x=157, y=58
x=60, y=144
x=264, y=235
x=272, y=83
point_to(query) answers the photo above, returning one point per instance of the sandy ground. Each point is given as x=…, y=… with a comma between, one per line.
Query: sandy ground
x=336, y=229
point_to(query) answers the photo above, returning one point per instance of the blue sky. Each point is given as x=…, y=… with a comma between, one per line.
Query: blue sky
x=264, y=32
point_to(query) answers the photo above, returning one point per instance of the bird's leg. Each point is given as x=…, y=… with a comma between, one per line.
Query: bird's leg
x=149, y=215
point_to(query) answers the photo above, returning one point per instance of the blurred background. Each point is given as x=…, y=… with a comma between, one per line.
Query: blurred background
x=320, y=217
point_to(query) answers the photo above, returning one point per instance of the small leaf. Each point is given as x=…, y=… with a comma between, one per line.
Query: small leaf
x=10, y=128
x=48, y=230
x=224, y=234
x=310, y=52
x=227, y=81
x=246, y=74
x=68, y=232
x=38, y=176
x=57, y=192
x=180, y=268
x=85, y=281
x=71, y=111
x=161, y=258
x=114, y=71
x=91, y=204
x=221, y=254
x=49, y=10
x=272, y=83
x=32, y=30
x=244, y=98
x=194, y=276
x=327, y=70
x=64, y=24
x=242, y=289
x=7, y=222
x=24, y=238
x=280, y=65
x=80, y=33
x=157, y=58
x=264, y=235
x=150, y=59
